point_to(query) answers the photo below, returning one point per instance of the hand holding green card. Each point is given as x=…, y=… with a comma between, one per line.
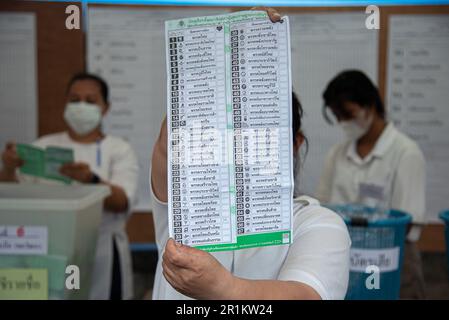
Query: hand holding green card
x=44, y=163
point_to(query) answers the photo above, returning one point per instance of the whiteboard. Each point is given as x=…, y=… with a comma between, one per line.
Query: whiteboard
x=126, y=47
x=324, y=44
x=417, y=95
x=18, y=78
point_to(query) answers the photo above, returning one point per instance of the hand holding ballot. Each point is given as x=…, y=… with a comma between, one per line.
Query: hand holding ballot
x=34, y=161
x=54, y=163
x=196, y=273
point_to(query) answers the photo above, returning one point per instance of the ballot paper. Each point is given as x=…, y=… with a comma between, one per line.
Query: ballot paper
x=44, y=163
x=230, y=176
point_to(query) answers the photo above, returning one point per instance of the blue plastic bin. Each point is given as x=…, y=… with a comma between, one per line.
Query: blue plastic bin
x=376, y=240
x=445, y=217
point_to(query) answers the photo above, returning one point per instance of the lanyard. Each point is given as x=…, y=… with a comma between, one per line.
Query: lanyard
x=98, y=153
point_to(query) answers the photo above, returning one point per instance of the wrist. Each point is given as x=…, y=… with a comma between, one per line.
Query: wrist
x=228, y=287
x=94, y=178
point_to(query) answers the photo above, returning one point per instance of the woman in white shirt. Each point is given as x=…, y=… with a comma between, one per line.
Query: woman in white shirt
x=314, y=266
x=99, y=159
x=377, y=165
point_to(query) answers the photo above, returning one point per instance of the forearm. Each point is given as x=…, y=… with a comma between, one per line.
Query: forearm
x=244, y=289
x=159, y=167
x=7, y=176
x=117, y=201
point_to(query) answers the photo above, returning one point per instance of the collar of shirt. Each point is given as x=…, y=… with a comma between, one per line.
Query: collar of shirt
x=383, y=143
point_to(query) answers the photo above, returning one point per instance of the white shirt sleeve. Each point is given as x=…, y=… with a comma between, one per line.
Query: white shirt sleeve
x=125, y=171
x=408, y=193
x=324, y=189
x=319, y=255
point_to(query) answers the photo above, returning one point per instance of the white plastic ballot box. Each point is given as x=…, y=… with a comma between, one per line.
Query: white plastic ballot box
x=46, y=229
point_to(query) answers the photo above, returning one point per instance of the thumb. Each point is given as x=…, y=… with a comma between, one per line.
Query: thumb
x=187, y=251
x=180, y=249
x=173, y=246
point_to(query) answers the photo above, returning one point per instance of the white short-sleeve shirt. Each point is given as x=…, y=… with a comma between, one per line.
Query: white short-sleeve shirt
x=393, y=175
x=318, y=256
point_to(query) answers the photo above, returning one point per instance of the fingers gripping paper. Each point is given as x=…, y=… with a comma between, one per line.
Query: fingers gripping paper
x=230, y=177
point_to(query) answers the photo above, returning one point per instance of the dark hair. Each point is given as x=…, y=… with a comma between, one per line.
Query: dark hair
x=353, y=86
x=104, y=89
x=297, y=113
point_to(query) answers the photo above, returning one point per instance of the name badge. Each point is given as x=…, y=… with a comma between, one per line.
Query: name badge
x=370, y=190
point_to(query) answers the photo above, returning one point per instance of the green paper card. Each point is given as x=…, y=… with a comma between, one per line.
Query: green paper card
x=55, y=157
x=44, y=163
x=34, y=160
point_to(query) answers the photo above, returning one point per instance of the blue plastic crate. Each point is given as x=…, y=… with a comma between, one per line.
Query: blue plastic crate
x=377, y=239
x=445, y=217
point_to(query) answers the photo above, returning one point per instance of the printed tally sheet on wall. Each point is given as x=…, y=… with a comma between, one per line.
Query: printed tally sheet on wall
x=417, y=89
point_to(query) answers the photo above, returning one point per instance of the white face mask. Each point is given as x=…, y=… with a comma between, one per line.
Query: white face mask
x=356, y=128
x=82, y=117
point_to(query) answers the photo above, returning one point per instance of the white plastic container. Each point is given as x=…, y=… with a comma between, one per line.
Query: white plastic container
x=71, y=214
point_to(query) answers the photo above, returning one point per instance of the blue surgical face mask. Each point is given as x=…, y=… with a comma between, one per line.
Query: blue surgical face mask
x=82, y=117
